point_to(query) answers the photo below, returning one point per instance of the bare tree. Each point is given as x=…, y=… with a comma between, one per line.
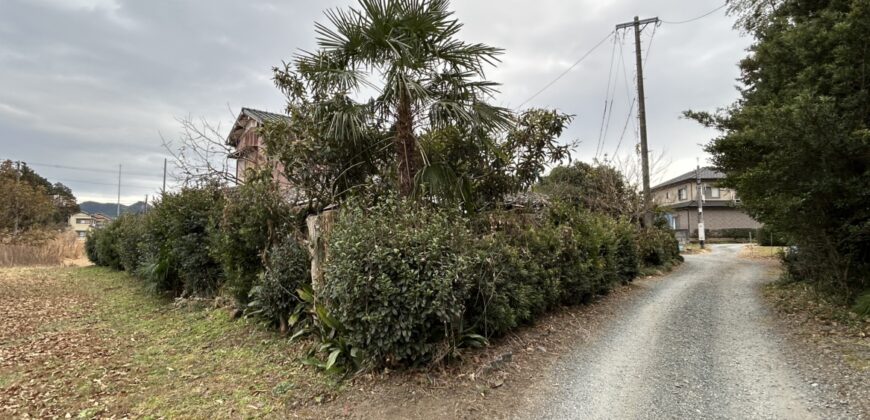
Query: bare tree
x=200, y=153
x=629, y=166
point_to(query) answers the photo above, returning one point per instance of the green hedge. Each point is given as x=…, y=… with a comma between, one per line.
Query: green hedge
x=254, y=216
x=395, y=280
x=273, y=297
x=175, y=246
x=408, y=281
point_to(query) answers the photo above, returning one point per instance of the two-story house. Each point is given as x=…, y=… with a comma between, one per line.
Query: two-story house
x=722, y=213
x=81, y=223
x=250, y=148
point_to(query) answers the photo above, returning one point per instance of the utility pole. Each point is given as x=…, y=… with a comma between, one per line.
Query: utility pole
x=118, y=214
x=701, y=235
x=163, y=190
x=17, y=196
x=145, y=209
x=641, y=112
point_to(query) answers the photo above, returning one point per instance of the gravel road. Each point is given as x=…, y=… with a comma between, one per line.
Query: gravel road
x=698, y=344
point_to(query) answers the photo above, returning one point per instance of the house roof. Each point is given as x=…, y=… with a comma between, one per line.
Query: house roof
x=255, y=114
x=707, y=174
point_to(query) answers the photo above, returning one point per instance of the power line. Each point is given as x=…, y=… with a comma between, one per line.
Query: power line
x=79, y=181
x=696, y=18
x=560, y=76
x=649, y=46
x=625, y=127
x=79, y=168
x=608, y=97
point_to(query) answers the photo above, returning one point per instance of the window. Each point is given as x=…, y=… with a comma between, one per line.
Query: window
x=668, y=195
x=83, y=221
x=82, y=233
x=713, y=192
x=681, y=194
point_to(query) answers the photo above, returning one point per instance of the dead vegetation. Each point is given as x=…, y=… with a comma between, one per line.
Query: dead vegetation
x=54, y=250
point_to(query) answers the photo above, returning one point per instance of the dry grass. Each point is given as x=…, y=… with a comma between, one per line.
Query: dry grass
x=64, y=246
x=761, y=252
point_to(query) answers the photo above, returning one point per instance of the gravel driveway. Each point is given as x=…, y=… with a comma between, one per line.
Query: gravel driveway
x=697, y=344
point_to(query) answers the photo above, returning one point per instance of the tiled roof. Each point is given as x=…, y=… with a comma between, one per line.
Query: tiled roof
x=257, y=115
x=707, y=173
x=264, y=116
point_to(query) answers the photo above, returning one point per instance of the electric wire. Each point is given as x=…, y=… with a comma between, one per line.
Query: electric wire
x=608, y=98
x=79, y=168
x=695, y=18
x=561, y=75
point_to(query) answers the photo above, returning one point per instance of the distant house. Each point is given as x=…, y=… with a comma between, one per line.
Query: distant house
x=250, y=148
x=722, y=213
x=81, y=224
x=101, y=219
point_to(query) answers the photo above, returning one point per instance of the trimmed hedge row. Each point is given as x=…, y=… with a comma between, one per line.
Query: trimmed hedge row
x=408, y=282
x=208, y=240
x=404, y=283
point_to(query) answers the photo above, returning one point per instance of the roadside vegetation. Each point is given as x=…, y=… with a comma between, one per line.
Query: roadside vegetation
x=441, y=241
x=33, y=218
x=795, y=145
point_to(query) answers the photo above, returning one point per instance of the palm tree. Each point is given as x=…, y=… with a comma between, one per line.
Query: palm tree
x=424, y=77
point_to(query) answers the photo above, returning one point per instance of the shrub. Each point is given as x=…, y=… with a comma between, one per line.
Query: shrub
x=531, y=266
x=175, y=247
x=91, y=246
x=770, y=237
x=129, y=231
x=274, y=297
x=394, y=279
x=106, y=246
x=254, y=215
x=627, y=259
x=657, y=247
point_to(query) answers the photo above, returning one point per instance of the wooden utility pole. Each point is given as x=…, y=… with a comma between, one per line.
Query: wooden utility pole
x=641, y=113
x=701, y=233
x=163, y=190
x=17, y=196
x=118, y=214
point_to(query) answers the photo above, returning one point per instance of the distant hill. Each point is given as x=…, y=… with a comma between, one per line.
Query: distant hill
x=111, y=209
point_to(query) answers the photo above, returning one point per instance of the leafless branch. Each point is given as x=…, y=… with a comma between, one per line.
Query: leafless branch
x=200, y=153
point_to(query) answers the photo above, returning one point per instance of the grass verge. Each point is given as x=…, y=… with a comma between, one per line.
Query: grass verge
x=90, y=342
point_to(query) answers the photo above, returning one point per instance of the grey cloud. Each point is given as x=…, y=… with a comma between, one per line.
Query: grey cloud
x=94, y=82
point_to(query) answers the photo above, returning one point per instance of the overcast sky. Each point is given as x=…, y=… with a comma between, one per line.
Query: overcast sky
x=94, y=83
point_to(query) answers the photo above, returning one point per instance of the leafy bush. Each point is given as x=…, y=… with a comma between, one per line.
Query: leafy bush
x=274, y=298
x=129, y=231
x=106, y=246
x=394, y=279
x=531, y=266
x=253, y=216
x=770, y=237
x=657, y=247
x=175, y=247
x=91, y=246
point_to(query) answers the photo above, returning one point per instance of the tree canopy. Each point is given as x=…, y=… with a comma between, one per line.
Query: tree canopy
x=27, y=200
x=428, y=130
x=796, y=145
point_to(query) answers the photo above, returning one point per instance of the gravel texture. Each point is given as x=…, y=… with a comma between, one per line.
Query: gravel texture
x=698, y=344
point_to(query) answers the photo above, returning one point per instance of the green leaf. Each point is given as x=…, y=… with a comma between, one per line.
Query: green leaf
x=332, y=359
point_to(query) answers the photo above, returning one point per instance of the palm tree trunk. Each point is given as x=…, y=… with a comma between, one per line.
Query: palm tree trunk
x=406, y=146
